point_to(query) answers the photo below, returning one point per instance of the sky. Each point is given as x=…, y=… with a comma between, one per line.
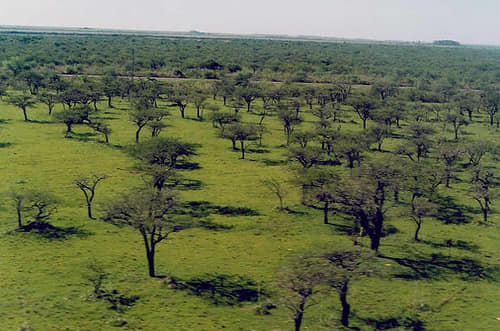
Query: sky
x=467, y=21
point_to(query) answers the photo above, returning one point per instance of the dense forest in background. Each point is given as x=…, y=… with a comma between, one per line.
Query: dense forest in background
x=291, y=61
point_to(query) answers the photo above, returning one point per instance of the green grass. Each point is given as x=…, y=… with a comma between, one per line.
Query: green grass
x=43, y=281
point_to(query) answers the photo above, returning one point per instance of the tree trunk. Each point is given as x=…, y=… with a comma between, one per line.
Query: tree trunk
x=137, y=134
x=151, y=263
x=89, y=210
x=346, y=308
x=248, y=106
x=109, y=102
x=298, y=317
x=19, y=216
x=377, y=231
x=351, y=162
x=233, y=141
x=419, y=225
x=198, y=112
x=485, y=215
x=364, y=123
x=242, y=145
x=325, y=213
x=68, y=130
x=26, y=115
x=150, y=253
x=181, y=108
x=106, y=137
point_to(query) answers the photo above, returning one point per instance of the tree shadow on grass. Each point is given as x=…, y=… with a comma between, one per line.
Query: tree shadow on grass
x=48, y=231
x=273, y=163
x=42, y=122
x=84, y=137
x=117, y=301
x=109, y=118
x=185, y=184
x=293, y=211
x=5, y=145
x=436, y=266
x=209, y=225
x=221, y=289
x=257, y=150
x=400, y=323
x=206, y=208
x=188, y=166
x=450, y=243
x=450, y=212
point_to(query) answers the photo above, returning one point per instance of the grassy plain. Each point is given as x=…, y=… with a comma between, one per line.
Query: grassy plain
x=43, y=282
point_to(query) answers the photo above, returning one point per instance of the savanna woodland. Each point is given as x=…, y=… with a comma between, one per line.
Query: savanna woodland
x=206, y=182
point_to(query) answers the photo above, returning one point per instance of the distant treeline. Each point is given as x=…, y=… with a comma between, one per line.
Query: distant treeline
x=446, y=42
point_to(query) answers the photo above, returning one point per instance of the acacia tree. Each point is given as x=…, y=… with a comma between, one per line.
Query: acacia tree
x=180, y=98
x=70, y=117
x=490, y=101
x=457, y=121
x=419, y=210
x=306, y=156
x=379, y=133
x=160, y=156
x=384, y=88
x=241, y=132
x=38, y=205
x=308, y=94
x=143, y=113
x=467, y=103
x=110, y=87
x=248, y=94
x=102, y=128
x=151, y=213
x=299, y=282
x=351, y=147
x=88, y=184
x=345, y=266
x=325, y=116
x=199, y=100
x=419, y=142
x=50, y=99
x=22, y=102
x=222, y=118
x=289, y=120
x=482, y=190
x=364, y=107
x=276, y=186
x=364, y=196
x=42, y=205
x=319, y=189
x=475, y=150
x=18, y=198
x=449, y=154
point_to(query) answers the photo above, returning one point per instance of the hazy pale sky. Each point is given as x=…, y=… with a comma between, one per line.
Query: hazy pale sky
x=467, y=21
